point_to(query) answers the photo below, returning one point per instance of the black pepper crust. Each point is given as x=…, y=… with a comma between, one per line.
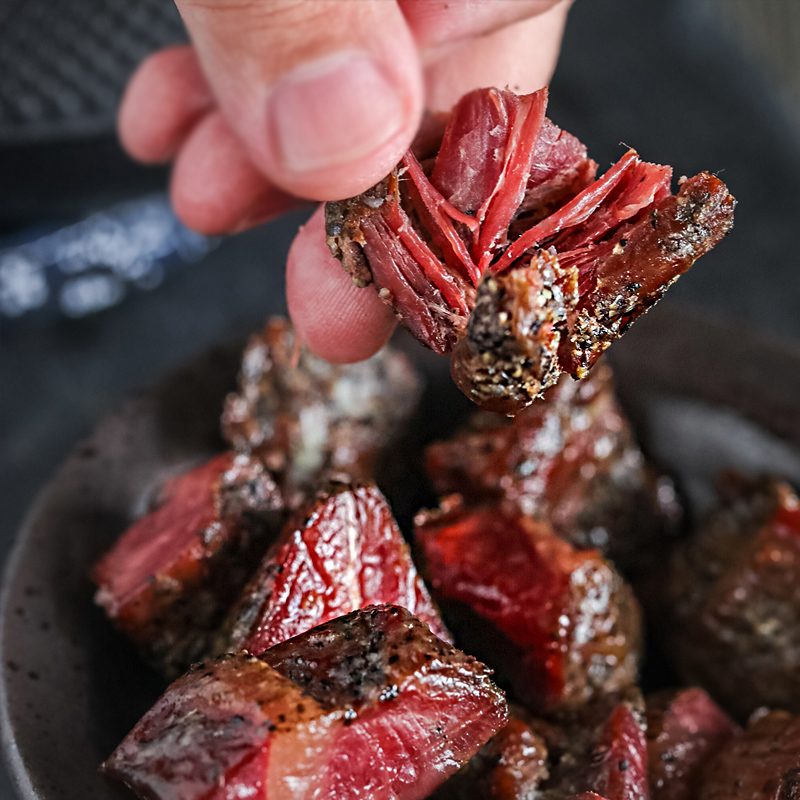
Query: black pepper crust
x=343, y=227
x=509, y=355
x=368, y=656
x=632, y=277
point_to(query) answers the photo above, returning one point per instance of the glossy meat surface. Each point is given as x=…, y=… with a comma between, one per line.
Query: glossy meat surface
x=685, y=730
x=512, y=765
x=620, y=773
x=308, y=418
x=340, y=553
x=505, y=247
x=369, y=705
x=733, y=600
x=169, y=580
x=559, y=623
x=569, y=459
x=763, y=764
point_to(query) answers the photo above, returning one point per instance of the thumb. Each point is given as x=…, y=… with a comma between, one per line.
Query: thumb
x=325, y=96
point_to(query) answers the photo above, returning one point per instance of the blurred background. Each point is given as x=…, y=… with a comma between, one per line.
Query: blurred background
x=102, y=290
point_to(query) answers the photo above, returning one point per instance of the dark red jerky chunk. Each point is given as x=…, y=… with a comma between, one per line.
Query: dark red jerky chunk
x=619, y=771
x=512, y=765
x=762, y=764
x=732, y=601
x=369, y=705
x=340, y=553
x=685, y=729
x=560, y=624
x=599, y=749
x=307, y=418
x=570, y=459
x=508, y=192
x=170, y=579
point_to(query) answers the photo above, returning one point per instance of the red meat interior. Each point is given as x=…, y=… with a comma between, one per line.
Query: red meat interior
x=487, y=197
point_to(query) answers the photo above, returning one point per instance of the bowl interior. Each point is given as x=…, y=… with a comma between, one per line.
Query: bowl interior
x=702, y=396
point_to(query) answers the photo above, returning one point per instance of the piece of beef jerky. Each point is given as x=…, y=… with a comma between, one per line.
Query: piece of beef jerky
x=558, y=623
x=504, y=249
x=685, y=730
x=341, y=552
x=170, y=579
x=763, y=764
x=571, y=460
x=369, y=705
x=599, y=748
x=732, y=601
x=307, y=418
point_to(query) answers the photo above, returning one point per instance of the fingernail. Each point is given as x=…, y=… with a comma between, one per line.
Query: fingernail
x=333, y=111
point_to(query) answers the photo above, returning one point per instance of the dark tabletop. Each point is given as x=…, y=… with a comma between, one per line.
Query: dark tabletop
x=667, y=75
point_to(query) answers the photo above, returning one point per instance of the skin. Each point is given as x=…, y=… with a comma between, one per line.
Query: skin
x=281, y=102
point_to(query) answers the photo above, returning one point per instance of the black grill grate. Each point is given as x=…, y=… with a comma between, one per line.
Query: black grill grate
x=63, y=64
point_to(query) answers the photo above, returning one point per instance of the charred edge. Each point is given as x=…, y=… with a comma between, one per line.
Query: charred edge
x=686, y=226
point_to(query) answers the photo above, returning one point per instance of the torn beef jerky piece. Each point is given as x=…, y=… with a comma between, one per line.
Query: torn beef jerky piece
x=342, y=552
x=732, y=602
x=763, y=764
x=571, y=460
x=511, y=766
x=170, y=579
x=307, y=418
x=369, y=705
x=685, y=730
x=560, y=624
x=506, y=248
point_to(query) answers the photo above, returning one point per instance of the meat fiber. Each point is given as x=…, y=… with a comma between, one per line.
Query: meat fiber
x=571, y=460
x=560, y=624
x=732, y=601
x=307, y=418
x=341, y=553
x=505, y=250
x=371, y=704
x=169, y=580
x=763, y=764
x=685, y=730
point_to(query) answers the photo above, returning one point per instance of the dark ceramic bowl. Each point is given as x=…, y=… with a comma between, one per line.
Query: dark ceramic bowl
x=702, y=396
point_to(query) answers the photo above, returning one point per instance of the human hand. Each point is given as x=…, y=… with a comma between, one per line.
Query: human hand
x=283, y=101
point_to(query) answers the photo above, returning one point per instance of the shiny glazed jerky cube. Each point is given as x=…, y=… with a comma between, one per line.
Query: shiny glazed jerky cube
x=558, y=623
x=371, y=704
x=571, y=460
x=341, y=552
